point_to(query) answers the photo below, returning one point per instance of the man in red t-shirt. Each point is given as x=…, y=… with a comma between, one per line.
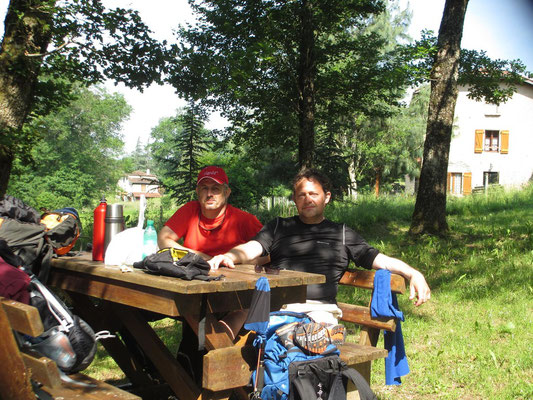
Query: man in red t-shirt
x=209, y=225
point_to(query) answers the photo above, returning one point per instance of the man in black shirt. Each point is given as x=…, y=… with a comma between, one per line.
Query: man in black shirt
x=311, y=243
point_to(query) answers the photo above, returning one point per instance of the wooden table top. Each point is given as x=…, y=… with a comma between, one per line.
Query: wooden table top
x=243, y=277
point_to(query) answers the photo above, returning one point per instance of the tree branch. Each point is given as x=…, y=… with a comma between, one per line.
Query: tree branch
x=49, y=52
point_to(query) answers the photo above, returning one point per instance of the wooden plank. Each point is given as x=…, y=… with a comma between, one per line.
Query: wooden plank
x=352, y=353
x=241, y=278
x=283, y=278
x=85, y=387
x=365, y=279
x=83, y=265
x=23, y=318
x=361, y=315
x=231, y=367
x=14, y=379
x=42, y=369
x=215, y=336
x=146, y=298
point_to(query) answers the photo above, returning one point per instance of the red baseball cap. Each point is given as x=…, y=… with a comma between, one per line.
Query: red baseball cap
x=215, y=173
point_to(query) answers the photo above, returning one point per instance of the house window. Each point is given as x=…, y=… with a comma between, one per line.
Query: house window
x=492, y=141
x=460, y=183
x=143, y=188
x=456, y=183
x=491, y=178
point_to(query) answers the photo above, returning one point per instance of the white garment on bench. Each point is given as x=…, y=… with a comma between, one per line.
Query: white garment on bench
x=318, y=311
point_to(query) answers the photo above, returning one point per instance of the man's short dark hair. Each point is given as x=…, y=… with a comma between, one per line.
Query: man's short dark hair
x=312, y=174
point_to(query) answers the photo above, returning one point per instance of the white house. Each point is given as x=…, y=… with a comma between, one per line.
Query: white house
x=139, y=182
x=491, y=144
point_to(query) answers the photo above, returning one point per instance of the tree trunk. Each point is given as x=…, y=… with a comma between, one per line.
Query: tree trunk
x=306, y=87
x=27, y=34
x=377, y=182
x=352, y=187
x=430, y=209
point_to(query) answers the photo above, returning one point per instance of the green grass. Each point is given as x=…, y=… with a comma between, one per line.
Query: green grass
x=474, y=339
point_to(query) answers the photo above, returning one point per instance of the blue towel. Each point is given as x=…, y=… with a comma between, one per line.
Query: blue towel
x=385, y=304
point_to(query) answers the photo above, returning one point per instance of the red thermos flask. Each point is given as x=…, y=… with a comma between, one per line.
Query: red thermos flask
x=99, y=230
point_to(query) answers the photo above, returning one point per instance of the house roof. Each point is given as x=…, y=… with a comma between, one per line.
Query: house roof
x=146, y=180
x=147, y=195
x=141, y=174
x=141, y=177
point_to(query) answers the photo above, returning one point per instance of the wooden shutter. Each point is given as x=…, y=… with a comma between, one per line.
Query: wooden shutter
x=478, y=145
x=467, y=183
x=448, y=182
x=504, y=137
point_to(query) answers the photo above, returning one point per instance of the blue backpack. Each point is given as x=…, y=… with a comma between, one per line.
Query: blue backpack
x=294, y=373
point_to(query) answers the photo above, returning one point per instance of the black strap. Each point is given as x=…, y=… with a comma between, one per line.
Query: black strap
x=209, y=278
x=365, y=392
x=337, y=390
x=304, y=388
x=201, y=323
x=44, y=271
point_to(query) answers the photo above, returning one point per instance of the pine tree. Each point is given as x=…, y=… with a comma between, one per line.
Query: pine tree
x=179, y=144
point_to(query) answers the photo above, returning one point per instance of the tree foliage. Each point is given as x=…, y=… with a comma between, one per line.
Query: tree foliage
x=483, y=75
x=75, y=40
x=245, y=179
x=364, y=142
x=141, y=158
x=75, y=160
x=178, y=145
x=281, y=70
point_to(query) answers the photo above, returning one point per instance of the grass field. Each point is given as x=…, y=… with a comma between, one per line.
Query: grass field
x=474, y=339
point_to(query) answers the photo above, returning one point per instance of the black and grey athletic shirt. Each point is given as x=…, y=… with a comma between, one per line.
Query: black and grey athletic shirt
x=325, y=248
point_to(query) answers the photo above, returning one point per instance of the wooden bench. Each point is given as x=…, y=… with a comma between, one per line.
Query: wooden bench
x=370, y=327
x=231, y=367
x=22, y=367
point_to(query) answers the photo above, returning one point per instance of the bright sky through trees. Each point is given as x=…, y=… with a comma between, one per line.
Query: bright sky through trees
x=502, y=28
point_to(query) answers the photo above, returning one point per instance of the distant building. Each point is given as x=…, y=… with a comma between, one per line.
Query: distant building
x=137, y=183
x=491, y=144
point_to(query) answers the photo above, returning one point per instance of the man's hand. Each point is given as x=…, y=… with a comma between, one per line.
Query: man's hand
x=419, y=289
x=221, y=259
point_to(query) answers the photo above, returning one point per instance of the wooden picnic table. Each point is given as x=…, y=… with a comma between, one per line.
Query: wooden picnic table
x=124, y=295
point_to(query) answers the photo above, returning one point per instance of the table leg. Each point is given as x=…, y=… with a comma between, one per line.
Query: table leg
x=173, y=373
x=215, y=338
x=100, y=318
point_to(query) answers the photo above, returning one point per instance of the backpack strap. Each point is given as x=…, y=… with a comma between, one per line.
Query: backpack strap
x=304, y=389
x=44, y=270
x=337, y=390
x=365, y=392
